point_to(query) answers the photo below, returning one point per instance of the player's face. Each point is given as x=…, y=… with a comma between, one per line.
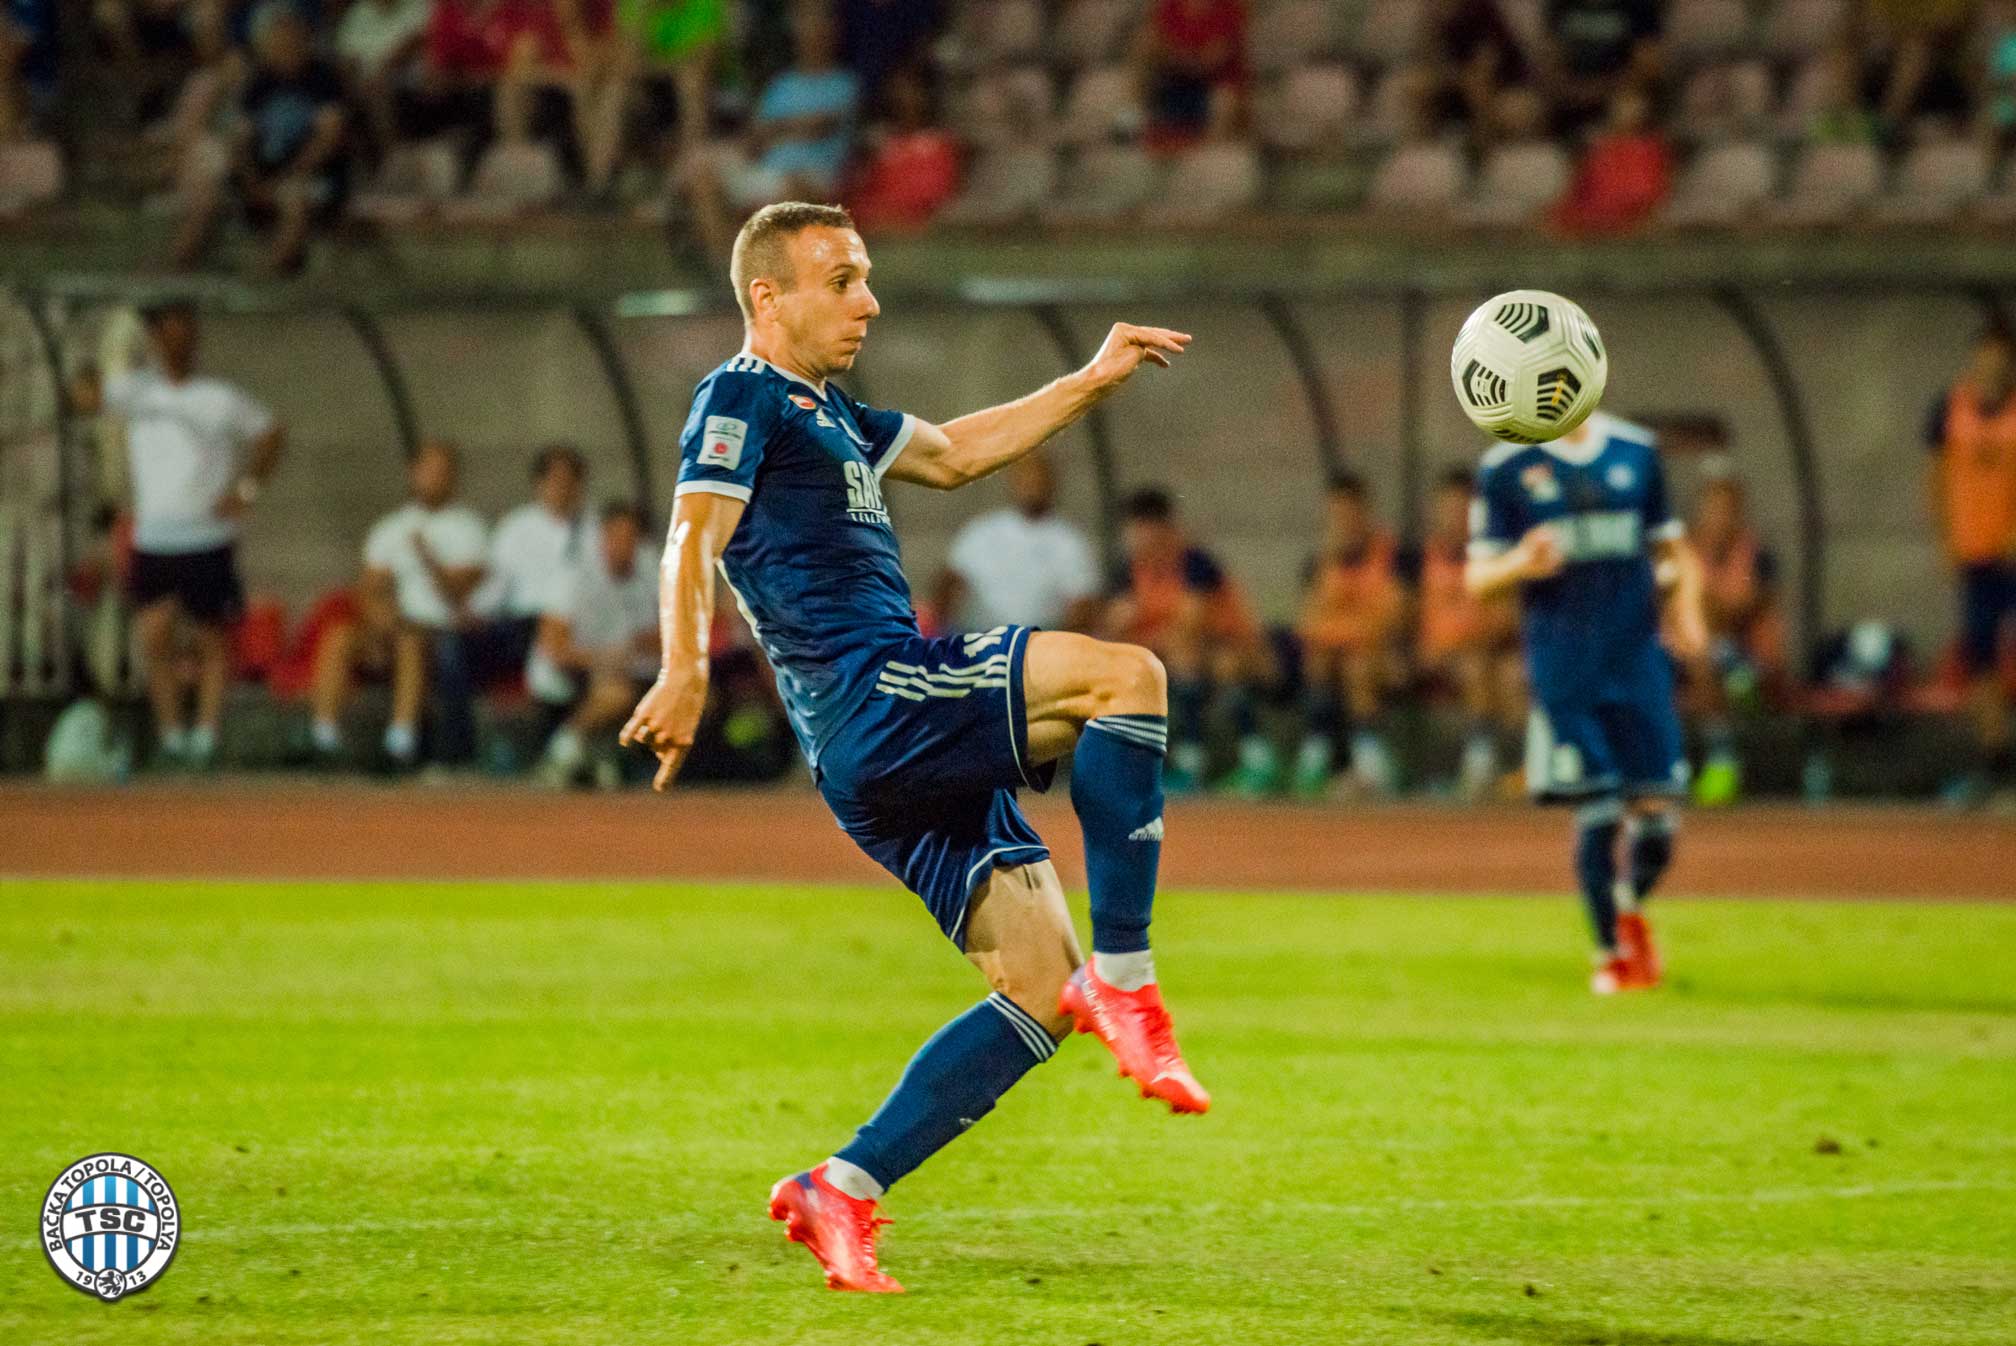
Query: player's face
x=825, y=313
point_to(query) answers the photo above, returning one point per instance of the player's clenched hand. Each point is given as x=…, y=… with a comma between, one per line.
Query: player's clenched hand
x=1540, y=555
x=1126, y=346
x=665, y=721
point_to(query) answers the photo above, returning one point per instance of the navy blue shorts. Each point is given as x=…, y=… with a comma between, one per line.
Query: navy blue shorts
x=1987, y=610
x=1623, y=739
x=923, y=776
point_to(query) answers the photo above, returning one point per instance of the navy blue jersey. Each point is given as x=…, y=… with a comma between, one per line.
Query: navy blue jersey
x=814, y=563
x=1605, y=497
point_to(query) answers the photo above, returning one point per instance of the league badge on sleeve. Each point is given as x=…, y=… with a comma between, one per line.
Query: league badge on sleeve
x=721, y=442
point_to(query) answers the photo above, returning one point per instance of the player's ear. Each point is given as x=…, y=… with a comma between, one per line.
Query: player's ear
x=763, y=296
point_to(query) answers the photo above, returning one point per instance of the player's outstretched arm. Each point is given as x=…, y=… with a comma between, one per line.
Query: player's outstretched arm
x=952, y=454
x=669, y=713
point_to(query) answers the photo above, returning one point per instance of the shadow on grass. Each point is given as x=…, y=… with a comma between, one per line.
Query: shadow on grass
x=1546, y=1331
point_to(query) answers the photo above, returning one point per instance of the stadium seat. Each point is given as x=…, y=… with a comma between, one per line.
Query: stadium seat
x=1209, y=183
x=1726, y=101
x=511, y=180
x=1003, y=107
x=1005, y=31
x=1831, y=184
x=1092, y=32
x=1107, y=182
x=1101, y=102
x=1517, y=184
x=1702, y=30
x=1938, y=180
x=414, y=181
x=31, y=174
x=1725, y=185
x=1797, y=30
x=1310, y=105
x=1389, y=113
x=1006, y=186
x=1289, y=33
x=1390, y=33
x=1427, y=176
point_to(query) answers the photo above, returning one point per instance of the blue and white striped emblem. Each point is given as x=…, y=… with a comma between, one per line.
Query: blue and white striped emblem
x=110, y=1225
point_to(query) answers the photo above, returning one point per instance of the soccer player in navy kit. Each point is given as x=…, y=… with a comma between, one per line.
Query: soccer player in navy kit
x=918, y=746
x=1576, y=526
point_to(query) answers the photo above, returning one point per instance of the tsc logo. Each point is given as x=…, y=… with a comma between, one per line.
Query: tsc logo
x=110, y=1225
x=1540, y=483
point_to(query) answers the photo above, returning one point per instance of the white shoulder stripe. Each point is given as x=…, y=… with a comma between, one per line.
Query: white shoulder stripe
x=1498, y=453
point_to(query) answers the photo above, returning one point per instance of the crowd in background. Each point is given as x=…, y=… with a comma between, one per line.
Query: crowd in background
x=548, y=619
x=283, y=113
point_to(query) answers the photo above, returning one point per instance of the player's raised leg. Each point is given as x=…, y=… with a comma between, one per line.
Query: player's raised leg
x=1018, y=933
x=1107, y=705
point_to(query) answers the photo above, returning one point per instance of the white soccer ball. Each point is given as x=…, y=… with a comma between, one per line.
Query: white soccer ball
x=1529, y=367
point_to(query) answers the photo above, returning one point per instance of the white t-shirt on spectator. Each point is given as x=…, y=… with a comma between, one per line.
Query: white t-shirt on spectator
x=1021, y=571
x=455, y=535
x=370, y=32
x=532, y=552
x=184, y=441
x=603, y=613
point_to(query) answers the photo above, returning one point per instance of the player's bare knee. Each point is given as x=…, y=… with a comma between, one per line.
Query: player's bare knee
x=1132, y=683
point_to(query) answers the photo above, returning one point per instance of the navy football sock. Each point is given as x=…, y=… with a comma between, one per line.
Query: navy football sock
x=1596, y=827
x=1650, y=840
x=1188, y=698
x=952, y=1082
x=1116, y=788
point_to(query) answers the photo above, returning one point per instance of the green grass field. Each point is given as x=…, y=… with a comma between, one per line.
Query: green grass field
x=550, y=1113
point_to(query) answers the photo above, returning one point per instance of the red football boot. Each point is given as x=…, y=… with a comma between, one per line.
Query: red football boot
x=835, y=1228
x=1135, y=1027
x=1634, y=946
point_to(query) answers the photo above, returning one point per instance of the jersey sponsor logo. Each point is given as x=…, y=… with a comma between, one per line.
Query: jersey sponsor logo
x=1540, y=483
x=1621, y=477
x=721, y=440
x=1601, y=535
x=802, y=401
x=864, y=494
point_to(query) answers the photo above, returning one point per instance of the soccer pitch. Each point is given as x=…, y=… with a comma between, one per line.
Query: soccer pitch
x=436, y=1113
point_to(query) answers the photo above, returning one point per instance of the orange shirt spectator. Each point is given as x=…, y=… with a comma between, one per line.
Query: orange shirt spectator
x=1975, y=440
x=1354, y=594
x=1739, y=578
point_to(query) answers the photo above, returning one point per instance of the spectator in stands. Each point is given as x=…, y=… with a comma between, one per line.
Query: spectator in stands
x=598, y=643
x=1838, y=115
x=1593, y=50
x=422, y=563
x=1972, y=435
x=502, y=69
x=797, y=141
x=911, y=168
x=156, y=41
x=1467, y=644
x=1625, y=175
x=290, y=166
x=1745, y=655
x=1192, y=58
x=1178, y=601
x=879, y=38
x=670, y=47
x=1024, y=565
x=201, y=449
x=379, y=45
x=1917, y=52
x=27, y=64
x=1350, y=631
x=1476, y=54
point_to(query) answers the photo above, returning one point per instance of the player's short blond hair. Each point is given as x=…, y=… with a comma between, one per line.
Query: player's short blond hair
x=761, y=249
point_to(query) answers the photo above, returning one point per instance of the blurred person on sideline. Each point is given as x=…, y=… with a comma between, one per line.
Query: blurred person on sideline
x=1594, y=49
x=534, y=551
x=1192, y=60
x=1466, y=643
x=598, y=645
x=1349, y=629
x=289, y=166
x=422, y=562
x=1745, y=657
x=201, y=450
x=1176, y=600
x=1021, y=566
x=1972, y=435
